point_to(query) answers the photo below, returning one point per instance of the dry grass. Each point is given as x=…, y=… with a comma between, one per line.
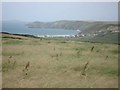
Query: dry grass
x=58, y=64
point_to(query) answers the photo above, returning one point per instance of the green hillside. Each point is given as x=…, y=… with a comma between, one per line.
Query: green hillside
x=107, y=38
x=84, y=26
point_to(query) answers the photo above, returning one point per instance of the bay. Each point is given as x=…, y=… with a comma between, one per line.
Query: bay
x=21, y=28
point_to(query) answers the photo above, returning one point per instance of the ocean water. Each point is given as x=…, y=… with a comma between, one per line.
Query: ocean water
x=21, y=28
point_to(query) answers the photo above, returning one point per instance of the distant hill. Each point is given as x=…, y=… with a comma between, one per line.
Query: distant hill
x=90, y=31
x=84, y=26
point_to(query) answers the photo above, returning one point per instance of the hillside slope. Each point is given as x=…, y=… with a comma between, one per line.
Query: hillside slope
x=84, y=26
x=107, y=38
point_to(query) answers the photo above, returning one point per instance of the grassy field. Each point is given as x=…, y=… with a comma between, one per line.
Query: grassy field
x=58, y=63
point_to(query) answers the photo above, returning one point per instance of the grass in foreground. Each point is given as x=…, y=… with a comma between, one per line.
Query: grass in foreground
x=58, y=64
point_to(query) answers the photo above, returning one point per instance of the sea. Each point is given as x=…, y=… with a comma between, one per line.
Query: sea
x=21, y=28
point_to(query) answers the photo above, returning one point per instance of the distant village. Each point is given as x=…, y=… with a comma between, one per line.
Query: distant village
x=102, y=32
x=80, y=34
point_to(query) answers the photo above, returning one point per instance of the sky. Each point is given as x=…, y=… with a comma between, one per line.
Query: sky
x=54, y=11
x=60, y=0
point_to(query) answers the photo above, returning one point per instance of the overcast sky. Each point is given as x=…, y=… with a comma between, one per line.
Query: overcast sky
x=51, y=11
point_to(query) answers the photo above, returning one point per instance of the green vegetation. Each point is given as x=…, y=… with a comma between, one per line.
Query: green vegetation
x=12, y=42
x=107, y=38
x=91, y=31
x=58, y=63
x=85, y=26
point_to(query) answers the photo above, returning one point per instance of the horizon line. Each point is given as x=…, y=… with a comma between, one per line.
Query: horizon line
x=64, y=20
x=60, y=1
